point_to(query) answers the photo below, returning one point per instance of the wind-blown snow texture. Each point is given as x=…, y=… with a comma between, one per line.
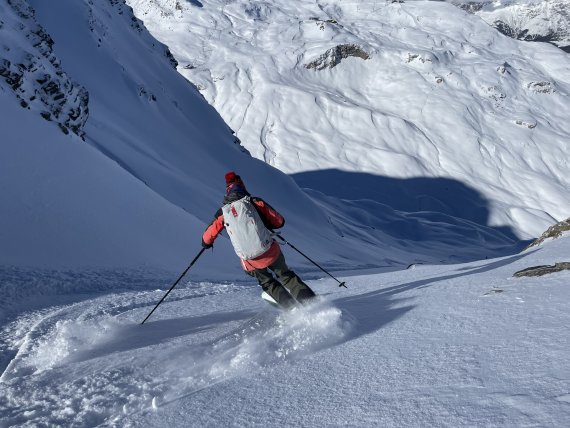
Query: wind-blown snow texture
x=443, y=95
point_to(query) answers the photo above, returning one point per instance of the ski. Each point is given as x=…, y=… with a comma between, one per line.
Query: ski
x=265, y=296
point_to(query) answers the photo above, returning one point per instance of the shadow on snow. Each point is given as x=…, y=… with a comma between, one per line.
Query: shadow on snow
x=373, y=310
x=430, y=211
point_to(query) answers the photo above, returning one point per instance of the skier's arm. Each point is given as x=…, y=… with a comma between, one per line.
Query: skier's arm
x=213, y=230
x=271, y=218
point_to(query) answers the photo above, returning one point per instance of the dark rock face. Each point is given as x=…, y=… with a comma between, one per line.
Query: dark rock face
x=30, y=69
x=525, y=34
x=507, y=30
x=334, y=56
x=542, y=270
x=471, y=7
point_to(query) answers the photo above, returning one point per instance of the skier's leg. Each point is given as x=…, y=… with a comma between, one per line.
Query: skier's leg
x=272, y=287
x=298, y=289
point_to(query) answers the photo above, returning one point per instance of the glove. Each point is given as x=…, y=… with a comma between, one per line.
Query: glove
x=206, y=245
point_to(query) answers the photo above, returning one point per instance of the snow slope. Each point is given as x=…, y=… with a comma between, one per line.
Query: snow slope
x=455, y=345
x=63, y=185
x=540, y=20
x=139, y=176
x=111, y=166
x=441, y=96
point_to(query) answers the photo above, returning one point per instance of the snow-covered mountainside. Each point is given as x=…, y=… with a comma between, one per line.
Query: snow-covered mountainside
x=366, y=99
x=112, y=164
x=65, y=204
x=531, y=20
x=140, y=175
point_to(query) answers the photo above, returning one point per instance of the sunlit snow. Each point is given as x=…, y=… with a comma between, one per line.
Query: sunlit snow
x=414, y=170
x=442, y=95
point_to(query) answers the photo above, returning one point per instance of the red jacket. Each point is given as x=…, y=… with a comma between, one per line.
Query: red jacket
x=271, y=219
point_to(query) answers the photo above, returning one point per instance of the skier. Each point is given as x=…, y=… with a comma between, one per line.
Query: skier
x=249, y=221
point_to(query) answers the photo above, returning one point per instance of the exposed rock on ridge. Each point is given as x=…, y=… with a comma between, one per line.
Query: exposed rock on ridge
x=334, y=56
x=30, y=69
x=553, y=232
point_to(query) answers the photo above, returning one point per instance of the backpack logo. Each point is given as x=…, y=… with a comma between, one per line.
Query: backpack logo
x=234, y=212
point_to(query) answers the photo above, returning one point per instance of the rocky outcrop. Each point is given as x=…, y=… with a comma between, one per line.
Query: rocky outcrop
x=471, y=6
x=334, y=56
x=542, y=270
x=553, y=232
x=541, y=87
x=30, y=69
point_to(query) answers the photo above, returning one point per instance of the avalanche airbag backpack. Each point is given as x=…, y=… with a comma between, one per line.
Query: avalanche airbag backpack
x=250, y=238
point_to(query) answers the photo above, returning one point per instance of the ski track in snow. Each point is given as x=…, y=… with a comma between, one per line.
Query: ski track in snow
x=64, y=368
x=461, y=345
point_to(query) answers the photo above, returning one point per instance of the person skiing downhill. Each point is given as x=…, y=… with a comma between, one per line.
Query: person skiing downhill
x=249, y=221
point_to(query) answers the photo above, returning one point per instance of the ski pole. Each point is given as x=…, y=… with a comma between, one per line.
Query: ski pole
x=175, y=284
x=340, y=284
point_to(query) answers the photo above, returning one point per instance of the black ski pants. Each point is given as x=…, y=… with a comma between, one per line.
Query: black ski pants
x=287, y=288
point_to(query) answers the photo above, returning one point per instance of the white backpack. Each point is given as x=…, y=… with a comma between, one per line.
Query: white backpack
x=247, y=232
